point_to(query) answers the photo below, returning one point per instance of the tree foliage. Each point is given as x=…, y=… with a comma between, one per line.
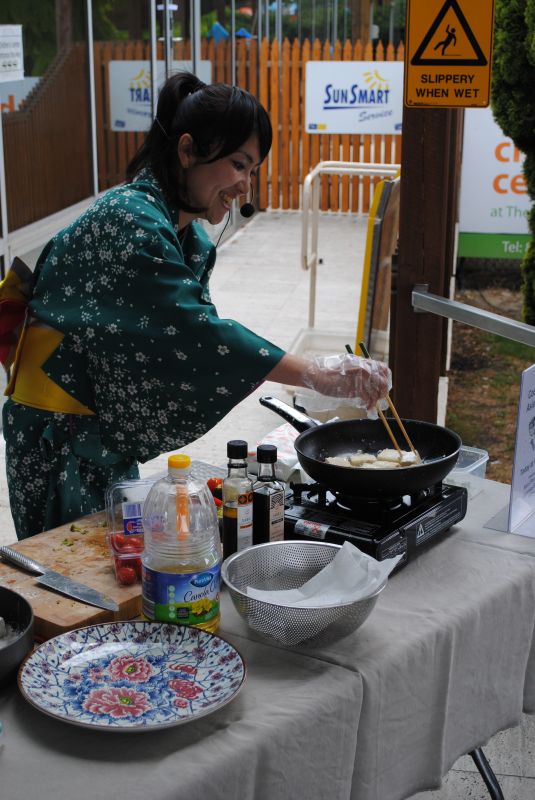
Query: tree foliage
x=513, y=105
x=38, y=20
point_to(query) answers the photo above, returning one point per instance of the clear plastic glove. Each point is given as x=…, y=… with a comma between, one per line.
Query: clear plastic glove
x=365, y=381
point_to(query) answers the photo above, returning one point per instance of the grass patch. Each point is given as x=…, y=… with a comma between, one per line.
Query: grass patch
x=484, y=385
x=509, y=349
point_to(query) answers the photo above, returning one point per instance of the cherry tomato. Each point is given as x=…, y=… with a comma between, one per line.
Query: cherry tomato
x=126, y=575
x=118, y=540
x=129, y=548
x=213, y=483
x=136, y=542
x=138, y=567
x=217, y=501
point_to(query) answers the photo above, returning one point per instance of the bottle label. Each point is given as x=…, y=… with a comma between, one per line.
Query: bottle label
x=276, y=517
x=245, y=520
x=132, y=519
x=189, y=598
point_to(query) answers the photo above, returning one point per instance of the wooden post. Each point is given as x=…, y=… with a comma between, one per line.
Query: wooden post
x=430, y=172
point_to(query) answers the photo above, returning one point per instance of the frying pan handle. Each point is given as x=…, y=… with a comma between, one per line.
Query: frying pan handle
x=300, y=421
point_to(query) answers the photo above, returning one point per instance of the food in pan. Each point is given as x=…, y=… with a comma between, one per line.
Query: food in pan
x=407, y=457
x=384, y=459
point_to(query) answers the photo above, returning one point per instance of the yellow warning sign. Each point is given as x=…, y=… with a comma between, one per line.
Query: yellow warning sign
x=448, y=56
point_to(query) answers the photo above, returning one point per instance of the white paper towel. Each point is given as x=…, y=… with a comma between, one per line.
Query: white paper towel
x=351, y=575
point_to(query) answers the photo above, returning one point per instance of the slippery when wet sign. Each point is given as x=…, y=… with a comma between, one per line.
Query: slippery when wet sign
x=448, y=55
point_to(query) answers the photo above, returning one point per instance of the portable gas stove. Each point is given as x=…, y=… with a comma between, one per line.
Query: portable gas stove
x=380, y=528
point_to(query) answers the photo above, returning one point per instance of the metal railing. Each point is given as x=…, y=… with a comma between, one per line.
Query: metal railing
x=310, y=216
x=422, y=300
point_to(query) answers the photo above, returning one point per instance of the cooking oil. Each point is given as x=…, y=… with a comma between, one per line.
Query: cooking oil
x=182, y=556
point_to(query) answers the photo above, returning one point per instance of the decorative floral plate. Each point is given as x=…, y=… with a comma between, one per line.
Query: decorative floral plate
x=132, y=676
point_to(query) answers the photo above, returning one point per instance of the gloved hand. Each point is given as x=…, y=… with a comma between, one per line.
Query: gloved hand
x=364, y=380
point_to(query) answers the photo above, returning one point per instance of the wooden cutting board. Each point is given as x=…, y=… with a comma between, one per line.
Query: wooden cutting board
x=82, y=555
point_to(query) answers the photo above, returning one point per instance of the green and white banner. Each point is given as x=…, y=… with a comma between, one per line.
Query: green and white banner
x=494, y=201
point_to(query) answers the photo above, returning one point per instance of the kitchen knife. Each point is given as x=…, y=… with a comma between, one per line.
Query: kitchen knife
x=58, y=582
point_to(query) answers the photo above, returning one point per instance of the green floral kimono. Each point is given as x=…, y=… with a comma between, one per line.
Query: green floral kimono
x=143, y=348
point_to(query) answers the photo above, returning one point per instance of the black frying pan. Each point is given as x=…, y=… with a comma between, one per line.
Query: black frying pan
x=438, y=447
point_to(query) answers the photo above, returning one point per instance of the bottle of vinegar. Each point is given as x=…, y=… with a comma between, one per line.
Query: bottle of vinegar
x=268, y=498
x=181, y=564
x=237, y=500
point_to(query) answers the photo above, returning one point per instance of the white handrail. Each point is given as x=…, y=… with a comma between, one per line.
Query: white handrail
x=309, y=259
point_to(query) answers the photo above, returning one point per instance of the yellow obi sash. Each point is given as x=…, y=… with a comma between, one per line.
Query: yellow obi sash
x=29, y=385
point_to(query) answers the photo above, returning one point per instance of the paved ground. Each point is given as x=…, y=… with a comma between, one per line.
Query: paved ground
x=259, y=281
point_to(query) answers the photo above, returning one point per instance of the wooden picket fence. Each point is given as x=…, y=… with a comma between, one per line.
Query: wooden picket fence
x=47, y=144
x=275, y=74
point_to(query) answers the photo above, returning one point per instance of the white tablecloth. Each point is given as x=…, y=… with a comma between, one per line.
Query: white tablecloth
x=447, y=658
x=445, y=661
x=293, y=711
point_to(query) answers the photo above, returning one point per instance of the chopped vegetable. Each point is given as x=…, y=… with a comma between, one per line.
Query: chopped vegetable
x=77, y=529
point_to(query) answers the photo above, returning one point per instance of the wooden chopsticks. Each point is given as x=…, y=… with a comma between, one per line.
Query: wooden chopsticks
x=384, y=420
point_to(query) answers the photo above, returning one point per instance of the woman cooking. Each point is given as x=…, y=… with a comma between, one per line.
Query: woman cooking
x=123, y=356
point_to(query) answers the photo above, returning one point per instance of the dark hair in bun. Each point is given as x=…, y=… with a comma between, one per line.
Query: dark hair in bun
x=218, y=117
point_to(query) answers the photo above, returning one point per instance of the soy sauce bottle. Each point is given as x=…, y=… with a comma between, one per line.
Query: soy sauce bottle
x=237, y=500
x=268, y=498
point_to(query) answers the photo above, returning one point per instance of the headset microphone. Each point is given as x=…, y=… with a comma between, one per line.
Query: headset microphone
x=247, y=209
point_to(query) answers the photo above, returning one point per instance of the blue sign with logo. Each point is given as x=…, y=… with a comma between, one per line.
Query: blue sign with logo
x=130, y=91
x=354, y=97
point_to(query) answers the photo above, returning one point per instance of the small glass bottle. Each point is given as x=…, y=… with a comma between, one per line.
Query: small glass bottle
x=237, y=501
x=268, y=498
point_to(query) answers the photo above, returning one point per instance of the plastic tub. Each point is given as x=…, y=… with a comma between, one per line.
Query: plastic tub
x=471, y=461
x=469, y=471
x=124, y=509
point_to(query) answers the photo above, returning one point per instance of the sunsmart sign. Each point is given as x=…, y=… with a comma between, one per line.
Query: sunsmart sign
x=494, y=206
x=354, y=97
x=448, y=54
x=130, y=91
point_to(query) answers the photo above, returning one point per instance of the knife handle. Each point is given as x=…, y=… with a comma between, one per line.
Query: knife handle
x=21, y=560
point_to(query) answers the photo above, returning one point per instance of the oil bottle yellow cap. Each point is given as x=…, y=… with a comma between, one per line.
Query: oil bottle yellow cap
x=178, y=461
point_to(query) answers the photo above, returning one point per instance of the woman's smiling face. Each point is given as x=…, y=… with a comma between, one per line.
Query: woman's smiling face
x=212, y=187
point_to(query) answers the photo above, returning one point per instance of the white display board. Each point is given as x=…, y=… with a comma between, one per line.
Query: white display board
x=494, y=203
x=130, y=90
x=11, y=53
x=354, y=97
x=522, y=503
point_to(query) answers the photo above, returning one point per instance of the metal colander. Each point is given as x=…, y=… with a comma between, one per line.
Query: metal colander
x=287, y=565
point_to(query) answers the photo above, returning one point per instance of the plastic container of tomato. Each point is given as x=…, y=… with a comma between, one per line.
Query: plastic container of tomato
x=124, y=511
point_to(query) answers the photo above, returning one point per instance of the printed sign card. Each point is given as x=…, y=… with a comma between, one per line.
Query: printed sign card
x=519, y=516
x=522, y=502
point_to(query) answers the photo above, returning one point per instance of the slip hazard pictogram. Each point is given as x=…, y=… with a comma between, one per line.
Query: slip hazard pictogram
x=449, y=52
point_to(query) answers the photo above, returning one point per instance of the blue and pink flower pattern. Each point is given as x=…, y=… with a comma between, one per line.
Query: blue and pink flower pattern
x=132, y=675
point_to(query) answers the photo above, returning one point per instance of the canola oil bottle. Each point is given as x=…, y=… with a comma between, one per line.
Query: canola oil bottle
x=181, y=564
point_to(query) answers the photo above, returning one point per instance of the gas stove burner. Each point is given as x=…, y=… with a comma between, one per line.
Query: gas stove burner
x=380, y=527
x=370, y=508
x=376, y=508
